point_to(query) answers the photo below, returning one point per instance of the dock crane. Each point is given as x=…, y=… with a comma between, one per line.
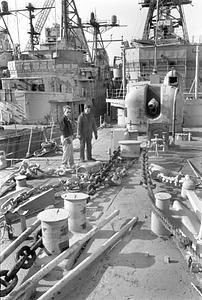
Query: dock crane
x=34, y=31
x=37, y=29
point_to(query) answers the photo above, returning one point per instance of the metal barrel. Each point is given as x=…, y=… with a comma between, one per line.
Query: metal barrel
x=75, y=204
x=20, y=182
x=162, y=202
x=130, y=148
x=55, y=230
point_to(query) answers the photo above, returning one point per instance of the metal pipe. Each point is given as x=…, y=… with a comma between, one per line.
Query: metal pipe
x=52, y=293
x=52, y=127
x=194, y=169
x=30, y=141
x=27, y=285
x=156, y=38
x=124, y=70
x=18, y=241
x=174, y=114
x=196, y=72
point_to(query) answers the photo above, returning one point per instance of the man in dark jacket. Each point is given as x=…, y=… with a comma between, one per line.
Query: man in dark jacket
x=66, y=128
x=85, y=127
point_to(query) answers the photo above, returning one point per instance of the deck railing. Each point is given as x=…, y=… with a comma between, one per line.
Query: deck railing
x=116, y=94
x=191, y=96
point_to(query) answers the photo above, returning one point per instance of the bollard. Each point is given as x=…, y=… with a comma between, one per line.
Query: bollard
x=130, y=148
x=200, y=232
x=162, y=202
x=3, y=162
x=188, y=184
x=75, y=203
x=23, y=223
x=20, y=182
x=55, y=234
x=199, y=248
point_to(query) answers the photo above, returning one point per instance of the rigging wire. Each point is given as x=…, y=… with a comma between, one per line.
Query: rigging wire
x=56, y=42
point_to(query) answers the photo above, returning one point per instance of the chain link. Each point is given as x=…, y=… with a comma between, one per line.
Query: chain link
x=183, y=242
x=101, y=175
x=25, y=258
x=34, y=191
x=8, y=285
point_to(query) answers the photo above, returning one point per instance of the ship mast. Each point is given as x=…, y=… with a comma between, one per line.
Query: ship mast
x=36, y=30
x=165, y=21
x=97, y=28
x=71, y=27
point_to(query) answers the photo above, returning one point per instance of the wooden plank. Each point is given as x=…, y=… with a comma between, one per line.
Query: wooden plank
x=34, y=204
x=195, y=202
x=23, y=292
x=52, y=293
x=18, y=241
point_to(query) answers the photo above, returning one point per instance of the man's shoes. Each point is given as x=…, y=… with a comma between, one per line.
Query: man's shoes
x=92, y=159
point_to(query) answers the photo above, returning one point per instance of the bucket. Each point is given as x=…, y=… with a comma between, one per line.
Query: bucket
x=55, y=234
x=130, y=148
x=20, y=182
x=162, y=202
x=75, y=203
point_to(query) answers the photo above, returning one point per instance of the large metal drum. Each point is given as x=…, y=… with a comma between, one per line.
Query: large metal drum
x=55, y=233
x=75, y=204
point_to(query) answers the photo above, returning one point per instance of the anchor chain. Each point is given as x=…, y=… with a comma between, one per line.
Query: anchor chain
x=100, y=176
x=110, y=173
x=14, y=202
x=25, y=258
x=183, y=242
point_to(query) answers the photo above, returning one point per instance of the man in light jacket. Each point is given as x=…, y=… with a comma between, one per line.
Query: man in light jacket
x=66, y=128
x=85, y=128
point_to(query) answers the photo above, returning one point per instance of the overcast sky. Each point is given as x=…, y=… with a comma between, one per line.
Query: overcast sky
x=128, y=13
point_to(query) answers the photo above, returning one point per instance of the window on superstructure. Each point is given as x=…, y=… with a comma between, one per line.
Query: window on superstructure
x=81, y=108
x=83, y=92
x=173, y=80
x=41, y=87
x=34, y=87
x=38, y=87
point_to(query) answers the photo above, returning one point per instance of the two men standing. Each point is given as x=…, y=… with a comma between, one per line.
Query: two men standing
x=85, y=128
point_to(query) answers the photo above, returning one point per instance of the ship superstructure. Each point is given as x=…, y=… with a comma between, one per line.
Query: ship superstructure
x=59, y=71
x=165, y=46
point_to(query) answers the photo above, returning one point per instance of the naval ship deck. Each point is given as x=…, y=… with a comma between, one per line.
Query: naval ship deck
x=141, y=265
